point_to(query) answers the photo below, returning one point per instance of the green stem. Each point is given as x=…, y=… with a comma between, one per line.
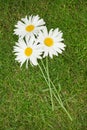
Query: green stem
x=43, y=74
x=57, y=98
x=61, y=104
x=49, y=78
x=48, y=83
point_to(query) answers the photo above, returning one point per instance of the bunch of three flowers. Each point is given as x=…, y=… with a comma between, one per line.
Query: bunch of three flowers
x=35, y=42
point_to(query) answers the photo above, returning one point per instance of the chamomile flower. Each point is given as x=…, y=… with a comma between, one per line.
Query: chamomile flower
x=29, y=26
x=51, y=42
x=27, y=50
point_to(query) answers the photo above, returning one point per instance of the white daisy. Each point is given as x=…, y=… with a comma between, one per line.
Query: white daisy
x=27, y=50
x=51, y=42
x=29, y=26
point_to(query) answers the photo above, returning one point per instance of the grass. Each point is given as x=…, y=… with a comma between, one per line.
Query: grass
x=24, y=105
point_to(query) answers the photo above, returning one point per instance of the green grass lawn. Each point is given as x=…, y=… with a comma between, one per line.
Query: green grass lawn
x=24, y=105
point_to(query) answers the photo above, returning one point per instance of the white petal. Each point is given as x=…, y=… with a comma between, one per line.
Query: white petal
x=34, y=61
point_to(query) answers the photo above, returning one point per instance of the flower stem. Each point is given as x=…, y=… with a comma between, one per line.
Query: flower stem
x=43, y=74
x=48, y=83
x=61, y=104
x=58, y=98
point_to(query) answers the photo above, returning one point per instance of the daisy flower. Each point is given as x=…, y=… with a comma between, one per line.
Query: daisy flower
x=29, y=26
x=27, y=50
x=51, y=42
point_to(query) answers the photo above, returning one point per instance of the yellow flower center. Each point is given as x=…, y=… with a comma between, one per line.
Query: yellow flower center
x=28, y=51
x=48, y=41
x=30, y=28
